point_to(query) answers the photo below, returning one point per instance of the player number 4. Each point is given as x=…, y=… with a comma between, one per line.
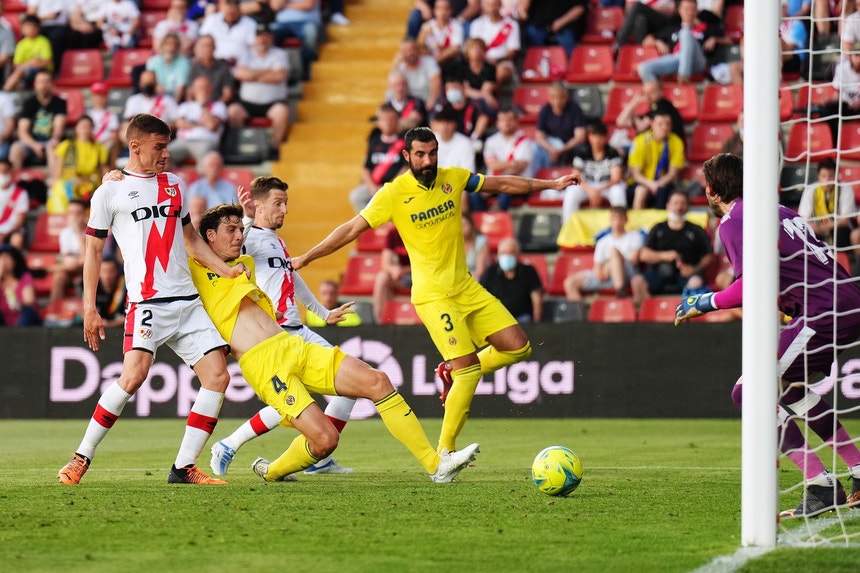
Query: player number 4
x=278, y=385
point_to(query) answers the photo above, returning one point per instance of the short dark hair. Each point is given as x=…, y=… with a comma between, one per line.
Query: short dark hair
x=146, y=124
x=419, y=134
x=597, y=127
x=621, y=210
x=261, y=186
x=213, y=217
x=31, y=19
x=19, y=263
x=827, y=163
x=724, y=173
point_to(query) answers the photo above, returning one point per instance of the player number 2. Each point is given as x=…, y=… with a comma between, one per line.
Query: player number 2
x=446, y=318
x=278, y=385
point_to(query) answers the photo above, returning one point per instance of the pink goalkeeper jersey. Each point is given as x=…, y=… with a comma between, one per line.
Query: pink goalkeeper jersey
x=146, y=215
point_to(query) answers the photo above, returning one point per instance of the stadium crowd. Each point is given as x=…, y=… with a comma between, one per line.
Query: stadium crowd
x=633, y=95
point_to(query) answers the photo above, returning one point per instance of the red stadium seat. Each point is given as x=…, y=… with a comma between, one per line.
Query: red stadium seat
x=80, y=68
x=567, y=264
x=46, y=237
x=122, y=64
x=590, y=65
x=707, y=140
x=29, y=174
x=612, y=310
x=538, y=261
x=155, y=4
x=786, y=102
x=815, y=95
x=601, y=24
x=733, y=21
x=618, y=98
x=14, y=22
x=188, y=174
x=496, y=225
x=148, y=20
x=529, y=100
x=809, y=141
x=629, y=58
x=850, y=175
x=10, y=6
x=849, y=141
x=685, y=98
x=75, y=106
x=360, y=274
x=543, y=64
x=373, y=240
x=547, y=173
x=41, y=263
x=238, y=176
x=65, y=309
x=658, y=309
x=400, y=312
x=721, y=102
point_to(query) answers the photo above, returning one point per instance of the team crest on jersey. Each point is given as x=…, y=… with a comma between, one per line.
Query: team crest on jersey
x=145, y=333
x=446, y=188
x=452, y=341
x=171, y=191
x=290, y=400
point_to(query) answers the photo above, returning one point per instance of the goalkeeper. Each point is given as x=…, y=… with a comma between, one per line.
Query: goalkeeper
x=810, y=281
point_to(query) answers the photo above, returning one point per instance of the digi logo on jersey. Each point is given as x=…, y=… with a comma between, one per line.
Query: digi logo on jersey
x=165, y=211
x=280, y=263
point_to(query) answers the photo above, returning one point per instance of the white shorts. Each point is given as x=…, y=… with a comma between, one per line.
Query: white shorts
x=181, y=324
x=308, y=335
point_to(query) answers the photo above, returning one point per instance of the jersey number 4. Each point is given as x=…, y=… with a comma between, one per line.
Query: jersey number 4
x=278, y=385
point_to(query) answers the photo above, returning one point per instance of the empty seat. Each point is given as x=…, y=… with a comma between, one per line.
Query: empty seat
x=360, y=274
x=538, y=232
x=529, y=100
x=618, y=98
x=400, y=312
x=155, y=4
x=590, y=64
x=810, y=98
x=685, y=98
x=602, y=24
x=373, y=240
x=538, y=262
x=809, y=141
x=589, y=100
x=612, y=310
x=707, y=140
x=567, y=264
x=658, y=309
x=188, y=174
x=543, y=64
x=75, y=106
x=496, y=225
x=849, y=141
x=80, y=68
x=46, y=236
x=786, y=102
x=122, y=64
x=721, y=102
x=562, y=311
x=14, y=22
x=238, y=176
x=246, y=145
x=10, y=6
x=629, y=58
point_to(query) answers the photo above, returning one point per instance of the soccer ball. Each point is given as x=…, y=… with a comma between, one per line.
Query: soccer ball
x=557, y=471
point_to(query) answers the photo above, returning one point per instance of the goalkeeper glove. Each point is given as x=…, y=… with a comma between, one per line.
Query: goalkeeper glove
x=693, y=306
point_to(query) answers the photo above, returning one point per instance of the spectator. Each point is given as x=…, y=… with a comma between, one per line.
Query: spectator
x=327, y=294
x=19, y=306
x=479, y=75
x=148, y=101
x=846, y=81
x=442, y=37
x=384, y=160
x=464, y=11
x=395, y=274
x=850, y=27
x=422, y=72
x=120, y=22
x=560, y=128
x=7, y=123
x=14, y=206
x=412, y=110
x=509, y=151
x=683, y=46
x=829, y=207
x=502, y=38
x=473, y=117
x=337, y=18
x=105, y=121
x=514, y=283
x=677, y=252
x=561, y=20
x=794, y=40
x=642, y=18
x=616, y=259
x=41, y=124
x=84, y=20
x=111, y=293
x=175, y=22
x=455, y=149
x=70, y=263
x=171, y=68
x=233, y=32
x=651, y=96
x=735, y=144
x=601, y=172
x=211, y=189
x=656, y=158
x=199, y=124
x=54, y=22
x=263, y=73
x=477, y=247
x=300, y=19
x=7, y=48
x=33, y=54
x=81, y=163
x=216, y=71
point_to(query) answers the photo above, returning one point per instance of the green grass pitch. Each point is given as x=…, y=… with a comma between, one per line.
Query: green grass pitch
x=657, y=495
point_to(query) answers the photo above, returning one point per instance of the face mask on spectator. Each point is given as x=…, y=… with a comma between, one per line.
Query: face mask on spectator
x=507, y=262
x=5, y=179
x=148, y=90
x=454, y=95
x=676, y=218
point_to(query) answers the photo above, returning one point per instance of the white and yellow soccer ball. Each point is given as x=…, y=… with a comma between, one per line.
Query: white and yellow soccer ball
x=557, y=471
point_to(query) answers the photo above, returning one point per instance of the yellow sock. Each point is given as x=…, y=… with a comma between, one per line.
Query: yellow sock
x=493, y=359
x=404, y=425
x=296, y=458
x=457, y=405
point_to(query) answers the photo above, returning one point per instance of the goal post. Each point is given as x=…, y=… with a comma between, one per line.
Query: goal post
x=762, y=63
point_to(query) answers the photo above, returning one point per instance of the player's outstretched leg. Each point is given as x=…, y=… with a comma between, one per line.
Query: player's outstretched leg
x=225, y=450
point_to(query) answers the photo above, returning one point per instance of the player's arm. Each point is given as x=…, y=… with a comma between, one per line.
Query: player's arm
x=94, y=330
x=199, y=250
x=513, y=185
x=697, y=305
x=341, y=236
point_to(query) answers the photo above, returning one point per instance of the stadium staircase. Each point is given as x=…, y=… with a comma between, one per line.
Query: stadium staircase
x=321, y=161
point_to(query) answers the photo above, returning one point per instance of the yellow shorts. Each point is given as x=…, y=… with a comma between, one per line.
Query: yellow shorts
x=284, y=369
x=460, y=323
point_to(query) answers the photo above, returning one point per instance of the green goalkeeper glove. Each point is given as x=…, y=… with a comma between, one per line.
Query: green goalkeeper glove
x=693, y=306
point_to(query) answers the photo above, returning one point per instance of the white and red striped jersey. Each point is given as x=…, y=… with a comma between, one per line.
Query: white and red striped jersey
x=105, y=124
x=146, y=215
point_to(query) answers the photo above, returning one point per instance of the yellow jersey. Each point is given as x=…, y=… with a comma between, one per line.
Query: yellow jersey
x=429, y=222
x=645, y=153
x=221, y=296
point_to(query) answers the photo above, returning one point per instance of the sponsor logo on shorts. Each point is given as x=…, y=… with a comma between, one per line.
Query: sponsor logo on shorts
x=452, y=341
x=290, y=400
x=145, y=333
